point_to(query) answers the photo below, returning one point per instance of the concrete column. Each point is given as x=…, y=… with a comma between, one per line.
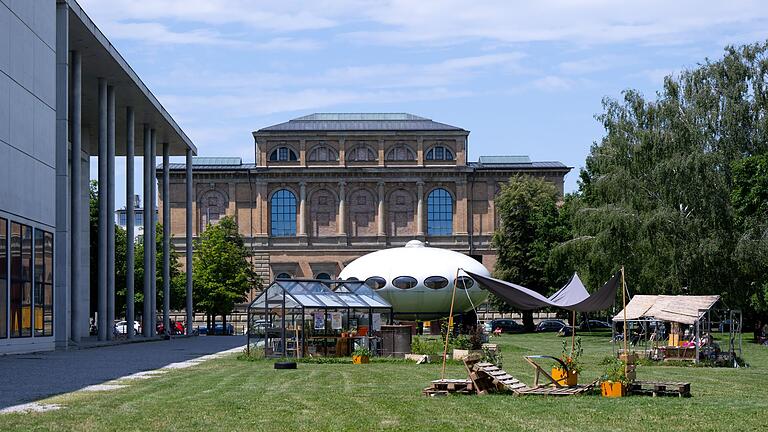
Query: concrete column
x=61, y=330
x=146, y=317
x=342, y=209
x=79, y=318
x=342, y=151
x=130, y=214
x=420, y=208
x=166, y=239
x=381, y=219
x=420, y=151
x=103, y=209
x=189, y=234
x=302, y=209
x=381, y=152
x=110, y=210
x=153, y=232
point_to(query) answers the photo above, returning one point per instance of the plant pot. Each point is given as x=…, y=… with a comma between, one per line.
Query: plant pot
x=613, y=389
x=564, y=378
x=360, y=359
x=461, y=354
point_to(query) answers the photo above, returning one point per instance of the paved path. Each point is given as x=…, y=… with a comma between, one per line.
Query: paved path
x=30, y=377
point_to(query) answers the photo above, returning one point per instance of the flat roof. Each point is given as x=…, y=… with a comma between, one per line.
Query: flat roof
x=100, y=59
x=360, y=122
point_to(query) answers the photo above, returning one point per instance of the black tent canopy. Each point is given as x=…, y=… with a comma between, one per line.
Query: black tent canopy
x=573, y=296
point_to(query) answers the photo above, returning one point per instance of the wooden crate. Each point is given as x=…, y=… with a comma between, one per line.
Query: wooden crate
x=659, y=388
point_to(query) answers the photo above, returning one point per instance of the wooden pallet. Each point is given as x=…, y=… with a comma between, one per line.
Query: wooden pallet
x=445, y=387
x=658, y=388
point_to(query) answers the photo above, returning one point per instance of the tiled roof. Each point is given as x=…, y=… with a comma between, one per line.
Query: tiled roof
x=360, y=122
x=197, y=167
x=503, y=159
x=496, y=163
x=217, y=161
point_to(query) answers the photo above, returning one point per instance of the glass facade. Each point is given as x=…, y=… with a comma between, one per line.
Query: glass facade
x=26, y=281
x=283, y=214
x=439, y=213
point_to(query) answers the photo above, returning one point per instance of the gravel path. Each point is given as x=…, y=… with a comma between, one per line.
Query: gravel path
x=30, y=377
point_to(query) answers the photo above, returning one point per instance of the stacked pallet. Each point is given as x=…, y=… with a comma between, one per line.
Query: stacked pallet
x=444, y=387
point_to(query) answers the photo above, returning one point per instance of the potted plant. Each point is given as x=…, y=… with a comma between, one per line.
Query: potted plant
x=614, y=381
x=361, y=355
x=468, y=345
x=568, y=376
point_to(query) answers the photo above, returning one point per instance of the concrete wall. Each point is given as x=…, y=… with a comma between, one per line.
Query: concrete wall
x=28, y=123
x=27, y=110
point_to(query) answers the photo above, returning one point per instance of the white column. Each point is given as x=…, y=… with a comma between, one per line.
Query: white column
x=166, y=240
x=420, y=208
x=382, y=231
x=130, y=151
x=189, y=234
x=302, y=209
x=146, y=318
x=110, y=211
x=153, y=233
x=342, y=209
x=103, y=209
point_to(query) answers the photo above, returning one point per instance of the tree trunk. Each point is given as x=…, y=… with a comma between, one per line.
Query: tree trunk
x=208, y=321
x=528, y=321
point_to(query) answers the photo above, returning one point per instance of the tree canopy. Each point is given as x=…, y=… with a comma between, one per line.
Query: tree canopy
x=676, y=189
x=222, y=272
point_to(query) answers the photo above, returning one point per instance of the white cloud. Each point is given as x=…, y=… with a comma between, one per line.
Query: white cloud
x=552, y=83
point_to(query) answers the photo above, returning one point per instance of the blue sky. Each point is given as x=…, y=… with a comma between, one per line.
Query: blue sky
x=524, y=77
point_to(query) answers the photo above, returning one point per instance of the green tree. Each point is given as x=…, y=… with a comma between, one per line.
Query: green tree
x=657, y=192
x=178, y=277
x=530, y=225
x=222, y=272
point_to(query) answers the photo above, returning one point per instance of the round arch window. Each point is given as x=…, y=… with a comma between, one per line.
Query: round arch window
x=323, y=276
x=465, y=282
x=435, y=282
x=352, y=278
x=283, y=276
x=376, y=282
x=404, y=282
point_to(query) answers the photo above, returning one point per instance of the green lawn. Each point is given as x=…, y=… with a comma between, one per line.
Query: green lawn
x=234, y=395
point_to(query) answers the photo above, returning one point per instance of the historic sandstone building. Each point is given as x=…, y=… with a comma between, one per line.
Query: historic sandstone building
x=327, y=188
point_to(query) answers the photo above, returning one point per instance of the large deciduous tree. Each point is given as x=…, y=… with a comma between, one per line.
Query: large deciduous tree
x=668, y=192
x=530, y=225
x=222, y=272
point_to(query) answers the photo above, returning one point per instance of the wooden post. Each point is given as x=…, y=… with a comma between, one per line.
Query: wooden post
x=624, y=304
x=450, y=323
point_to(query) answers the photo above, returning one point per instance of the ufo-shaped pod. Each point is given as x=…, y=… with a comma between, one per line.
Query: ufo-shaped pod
x=418, y=280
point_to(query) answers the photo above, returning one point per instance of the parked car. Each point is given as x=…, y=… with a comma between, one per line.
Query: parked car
x=121, y=327
x=594, y=325
x=176, y=328
x=219, y=329
x=550, y=326
x=507, y=325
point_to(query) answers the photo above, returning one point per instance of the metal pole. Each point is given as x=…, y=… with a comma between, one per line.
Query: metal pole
x=130, y=265
x=76, y=203
x=166, y=240
x=110, y=211
x=189, y=234
x=147, y=238
x=103, y=216
x=624, y=303
x=153, y=233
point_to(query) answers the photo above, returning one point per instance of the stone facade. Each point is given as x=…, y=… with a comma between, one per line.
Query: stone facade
x=356, y=189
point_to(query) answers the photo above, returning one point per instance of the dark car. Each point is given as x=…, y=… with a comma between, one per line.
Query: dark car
x=550, y=326
x=219, y=330
x=506, y=325
x=594, y=325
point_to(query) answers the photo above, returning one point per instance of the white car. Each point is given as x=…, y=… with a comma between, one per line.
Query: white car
x=121, y=327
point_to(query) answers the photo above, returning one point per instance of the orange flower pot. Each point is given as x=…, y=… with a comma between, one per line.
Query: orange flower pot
x=360, y=359
x=613, y=389
x=564, y=378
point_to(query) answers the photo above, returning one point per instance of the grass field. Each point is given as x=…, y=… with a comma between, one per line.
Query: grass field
x=234, y=395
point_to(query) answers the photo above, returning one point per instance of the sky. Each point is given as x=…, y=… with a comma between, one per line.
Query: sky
x=525, y=78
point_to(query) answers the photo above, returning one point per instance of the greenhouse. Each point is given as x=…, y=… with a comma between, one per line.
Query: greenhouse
x=312, y=317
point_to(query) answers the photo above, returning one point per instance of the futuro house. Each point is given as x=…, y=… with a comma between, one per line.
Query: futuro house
x=418, y=280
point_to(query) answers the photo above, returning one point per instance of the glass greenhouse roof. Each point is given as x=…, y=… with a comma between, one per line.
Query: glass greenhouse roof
x=312, y=293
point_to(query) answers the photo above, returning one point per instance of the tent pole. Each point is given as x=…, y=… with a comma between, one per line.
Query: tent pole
x=573, y=334
x=624, y=304
x=450, y=322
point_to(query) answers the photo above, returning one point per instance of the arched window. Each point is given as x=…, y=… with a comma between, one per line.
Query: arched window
x=440, y=153
x=401, y=152
x=213, y=206
x=362, y=154
x=283, y=276
x=323, y=276
x=283, y=213
x=323, y=153
x=439, y=213
x=283, y=154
